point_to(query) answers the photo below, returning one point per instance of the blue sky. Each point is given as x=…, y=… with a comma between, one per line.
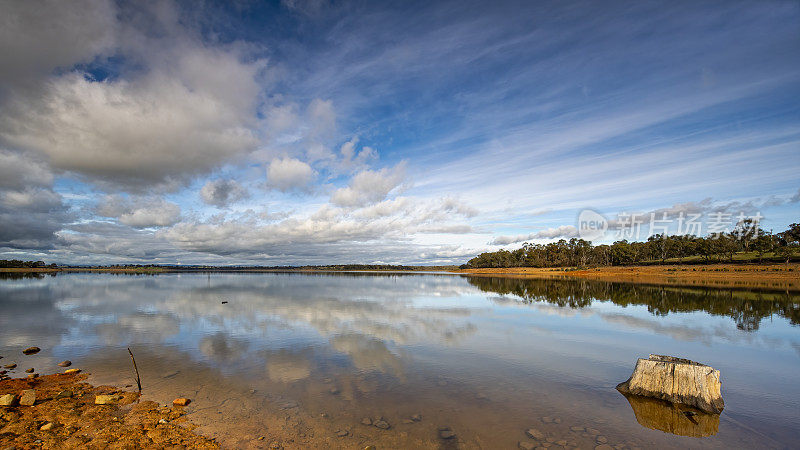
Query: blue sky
x=375, y=132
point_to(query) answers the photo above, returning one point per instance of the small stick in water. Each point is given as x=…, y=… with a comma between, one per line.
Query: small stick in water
x=138, y=380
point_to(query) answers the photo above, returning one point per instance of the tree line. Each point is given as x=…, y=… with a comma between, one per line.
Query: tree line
x=747, y=237
x=19, y=264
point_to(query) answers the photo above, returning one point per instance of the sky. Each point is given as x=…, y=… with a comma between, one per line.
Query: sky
x=316, y=132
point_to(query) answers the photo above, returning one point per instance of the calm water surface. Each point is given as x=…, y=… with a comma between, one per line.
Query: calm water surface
x=296, y=358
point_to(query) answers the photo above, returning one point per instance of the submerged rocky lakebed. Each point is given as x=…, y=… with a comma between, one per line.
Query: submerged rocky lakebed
x=417, y=360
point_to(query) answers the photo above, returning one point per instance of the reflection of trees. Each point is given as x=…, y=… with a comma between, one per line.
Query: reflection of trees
x=746, y=307
x=23, y=275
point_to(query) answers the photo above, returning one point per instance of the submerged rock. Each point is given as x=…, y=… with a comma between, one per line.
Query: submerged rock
x=446, y=433
x=533, y=433
x=65, y=363
x=31, y=350
x=382, y=424
x=676, y=380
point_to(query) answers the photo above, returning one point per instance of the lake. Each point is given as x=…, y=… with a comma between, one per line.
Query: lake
x=302, y=359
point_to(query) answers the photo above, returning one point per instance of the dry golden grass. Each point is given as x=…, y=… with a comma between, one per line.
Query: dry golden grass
x=766, y=276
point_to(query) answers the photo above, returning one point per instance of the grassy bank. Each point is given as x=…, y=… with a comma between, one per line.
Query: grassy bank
x=766, y=276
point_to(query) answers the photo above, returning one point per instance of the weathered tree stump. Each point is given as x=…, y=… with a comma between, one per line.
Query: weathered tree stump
x=676, y=380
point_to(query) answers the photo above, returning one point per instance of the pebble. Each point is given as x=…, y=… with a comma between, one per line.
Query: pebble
x=162, y=421
x=446, y=433
x=592, y=431
x=416, y=417
x=181, y=401
x=562, y=442
x=382, y=424
x=334, y=390
x=10, y=366
x=602, y=439
x=33, y=375
x=31, y=350
x=604, y=447
x=526, y=445
x=534, y=433
x=8, y=400
x=103, y=399
x=28, y=397
x=370, y=447
x=69, y=371
x=366, y=421
x=546, y=419
x=31, y=370
x=576, y=429
x=342, y=433
x=65, y=363
x=47, y=427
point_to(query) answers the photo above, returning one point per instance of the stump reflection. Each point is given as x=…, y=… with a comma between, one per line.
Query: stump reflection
x=671, y=418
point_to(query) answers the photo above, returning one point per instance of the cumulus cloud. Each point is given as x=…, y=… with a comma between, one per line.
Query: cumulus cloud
x=182, y=109
x=352, y=158
x=37, y=37
x=30, y=211
x=220, y=193
x=369, y=186
x=286, y=174
x=564, y=231
x=140, y=212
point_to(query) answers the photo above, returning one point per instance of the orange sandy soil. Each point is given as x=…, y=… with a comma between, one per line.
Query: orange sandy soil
x=766, y=276
x=78, y=423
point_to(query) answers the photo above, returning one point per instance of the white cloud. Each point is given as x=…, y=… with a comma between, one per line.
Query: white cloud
x=369, y=186
x=286, y=174
x=140, y=212
x=183, y=108
x=562, y=232
x=220, y=193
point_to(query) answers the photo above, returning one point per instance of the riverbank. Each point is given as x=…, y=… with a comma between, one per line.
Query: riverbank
x=762, y=276
x=61, y=411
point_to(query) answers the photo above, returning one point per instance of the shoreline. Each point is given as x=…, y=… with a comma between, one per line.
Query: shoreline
x=773, y=276
x=63, y=410
x=761, y=276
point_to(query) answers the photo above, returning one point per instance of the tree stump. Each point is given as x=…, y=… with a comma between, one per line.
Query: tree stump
x=676, y=380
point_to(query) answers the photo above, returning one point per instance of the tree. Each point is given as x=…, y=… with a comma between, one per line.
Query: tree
x=762, y=244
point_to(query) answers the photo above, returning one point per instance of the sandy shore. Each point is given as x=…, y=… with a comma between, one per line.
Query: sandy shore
x=64, y=415
x=763, y=276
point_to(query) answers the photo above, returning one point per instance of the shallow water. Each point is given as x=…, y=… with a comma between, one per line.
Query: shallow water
x=296, y=358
